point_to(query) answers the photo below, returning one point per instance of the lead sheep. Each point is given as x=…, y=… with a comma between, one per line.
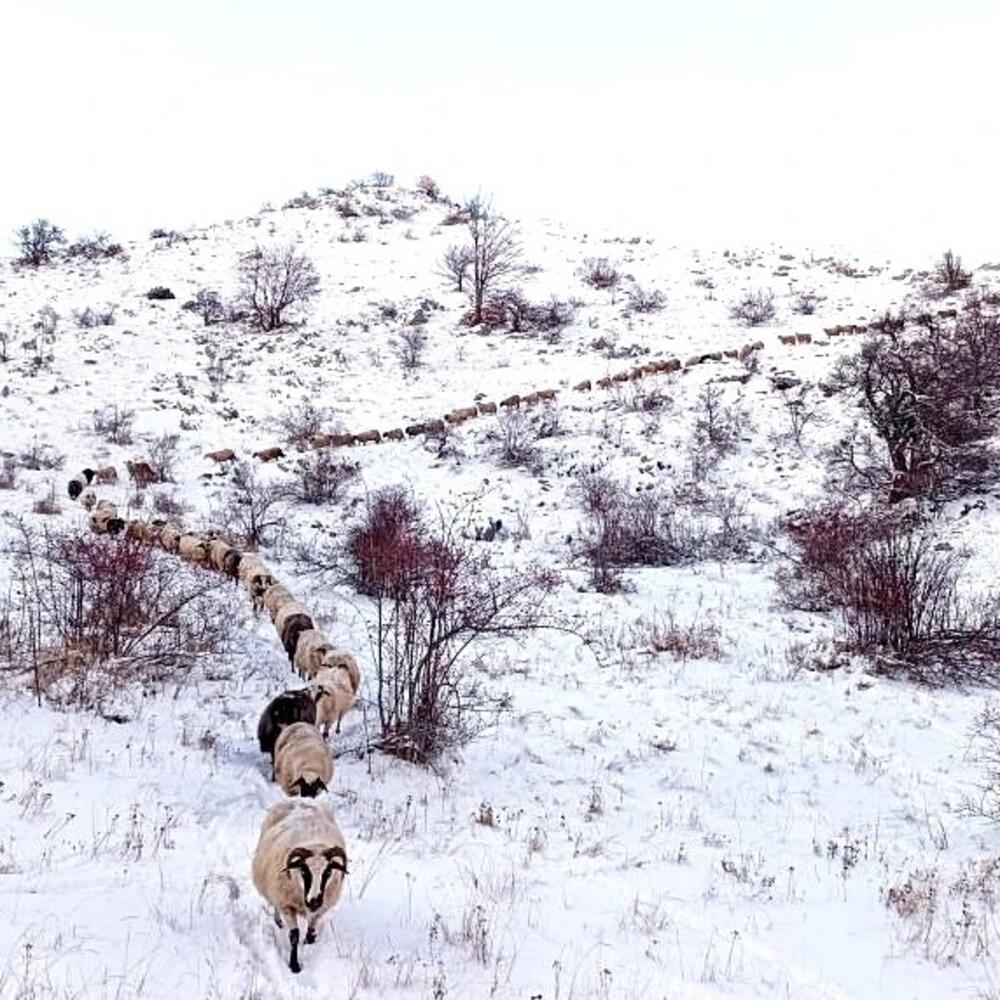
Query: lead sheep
x=299, y=867
x=282, y=711
x=302, y=763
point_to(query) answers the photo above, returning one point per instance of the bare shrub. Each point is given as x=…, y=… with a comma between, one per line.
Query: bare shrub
x=208, y=305
x=38, y=242
x=274, y=280
x=162, y=455
x=167, y=506
x=40, y=456
x=428, y=186
x=8, y=473
x=932, y=397
x=382, y=179
x=694, y=641
x=805, y=303
x=718, y=425
x=984, y=751
x=896, y=590
x=321, y=479
x=645, y=300
x=435, y=598
x=160, y=293
x=304, y=200
x=949, y=274
x=518, y=438
x=251, y=508
x=551, y=318
x=104, y=613
x=98, y=246
x=800, y=411
x=755, y=308
x=623, y=529
x=5, y=335
x=599, y=272
x=303, y=422
x=114, y=423
x=88, y=318
x=410, y=346
x=346, y=209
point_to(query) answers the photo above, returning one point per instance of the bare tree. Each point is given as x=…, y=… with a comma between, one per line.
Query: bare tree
x=38, y=242
x=950, y=274
x=455, y=265
x=252, y=507
x=273, y=280
x=208, y=305
x=410, y=347
x=495, y=251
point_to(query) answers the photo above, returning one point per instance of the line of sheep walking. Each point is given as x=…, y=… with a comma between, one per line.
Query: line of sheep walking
x=300, y=861
x=462, y=414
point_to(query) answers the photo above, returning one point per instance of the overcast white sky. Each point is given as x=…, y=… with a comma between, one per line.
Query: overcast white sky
x=872, y=123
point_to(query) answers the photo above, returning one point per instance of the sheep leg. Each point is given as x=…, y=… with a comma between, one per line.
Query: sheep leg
x=277, y=918
x=311, y=934
x=293, y=940
x=339, y=717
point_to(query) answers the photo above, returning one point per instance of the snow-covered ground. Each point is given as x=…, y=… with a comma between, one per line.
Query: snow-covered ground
x=635, y=826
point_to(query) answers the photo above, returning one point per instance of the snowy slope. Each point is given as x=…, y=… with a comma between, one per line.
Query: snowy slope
x=635, y=826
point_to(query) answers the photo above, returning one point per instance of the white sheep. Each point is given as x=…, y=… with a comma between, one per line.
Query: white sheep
x=335, y=689
x=255, y=577
x=170, y=537
x=105, y=520
x=309, y=652
x=276, y=596
x=88, y=499
x=302, y=763
x=299, y=867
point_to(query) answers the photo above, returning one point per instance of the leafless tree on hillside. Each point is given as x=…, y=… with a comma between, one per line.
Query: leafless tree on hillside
x=495, y=251
x=272, y=280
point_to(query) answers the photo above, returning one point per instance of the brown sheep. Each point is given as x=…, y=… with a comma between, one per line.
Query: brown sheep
x=223, y=455
x=368, y=437
x=787, y=338
x=146, y=532
x=141, y=473
x=290, y=621
x=224, y=557
x=269, y=454
x=834, y=331
x=434, y=427
x=583, y=386
x=194, y=548
x=673, y=365
x=605, y=383
x=320, y=440
x=695, y=359
x=107, y=475
x=803, y=338
x=621, y=377
x=511, y=402
x=341, y=440
x=414, y=430
x=712, y=356
x=546, y=395
x=485, y=408
x=530, y=399
x=731, y=352
x=462, y=414
x=170, y=537
x=396, y=434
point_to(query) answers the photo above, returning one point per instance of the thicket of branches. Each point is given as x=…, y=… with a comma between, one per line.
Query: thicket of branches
x=930, y=394
x=91, y=614
x=435, y=599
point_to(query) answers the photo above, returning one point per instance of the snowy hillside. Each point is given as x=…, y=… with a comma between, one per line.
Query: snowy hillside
x=643, y=819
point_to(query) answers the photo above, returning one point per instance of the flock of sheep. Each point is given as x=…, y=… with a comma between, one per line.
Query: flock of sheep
x=300, y=862
x=301, y=858
x=461, y=414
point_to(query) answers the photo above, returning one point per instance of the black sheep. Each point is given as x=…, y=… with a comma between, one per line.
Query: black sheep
x=283, y=710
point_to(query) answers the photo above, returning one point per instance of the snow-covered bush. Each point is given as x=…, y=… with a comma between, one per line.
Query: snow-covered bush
x=755, y=308
x=38, y=242
x=599, y=272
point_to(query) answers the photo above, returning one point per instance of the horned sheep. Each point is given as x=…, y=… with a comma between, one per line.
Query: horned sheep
x=299, y=867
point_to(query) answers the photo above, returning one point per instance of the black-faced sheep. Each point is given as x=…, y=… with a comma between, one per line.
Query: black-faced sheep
x=302, y=763
x=282, y=711
x=105, y=520
x=79, y=483
x=299, y=867
x=88, y=499
x=225, y=558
